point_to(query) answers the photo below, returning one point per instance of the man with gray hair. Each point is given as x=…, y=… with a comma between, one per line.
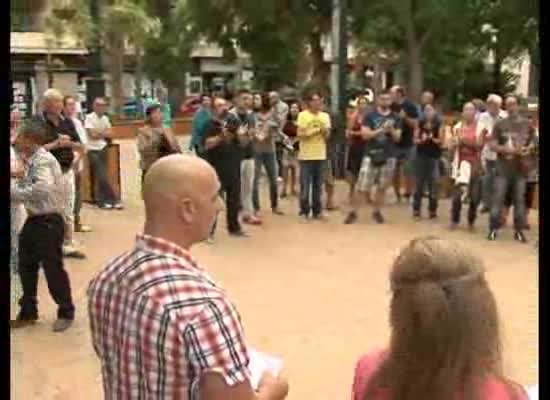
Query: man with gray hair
x=62, y=141
x=488, y=118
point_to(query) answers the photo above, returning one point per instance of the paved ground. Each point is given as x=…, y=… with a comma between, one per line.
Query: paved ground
x=315, y=294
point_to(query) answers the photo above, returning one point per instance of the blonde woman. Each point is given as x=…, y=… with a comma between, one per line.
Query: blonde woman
x=445, y=334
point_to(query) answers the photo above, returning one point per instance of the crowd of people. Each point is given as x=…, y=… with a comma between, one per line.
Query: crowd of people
x=46, y=164
x=163, y=328
x=183, y=337
x=491, y=156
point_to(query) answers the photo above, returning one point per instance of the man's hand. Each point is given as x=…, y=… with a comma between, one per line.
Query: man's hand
x=53, y=145
x=272, y=388
x=212, y=142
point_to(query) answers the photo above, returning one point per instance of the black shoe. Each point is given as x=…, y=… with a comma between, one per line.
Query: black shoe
x=520, y=237
x=62, y=324
x=492, y=236
x=485, y=210
x=351, y=218
x=416, y=215
x=277, y=211
x=378, y=217
x=22, y=322
x=433, y=215
x=238, y=234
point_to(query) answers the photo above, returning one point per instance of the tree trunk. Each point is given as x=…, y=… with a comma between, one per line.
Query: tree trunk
x=139, y=73
x=416, y=70
x=497, y=69
x=320, y=69
x=116, y=70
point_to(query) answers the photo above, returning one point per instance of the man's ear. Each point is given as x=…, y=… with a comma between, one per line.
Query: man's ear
x=186, y=209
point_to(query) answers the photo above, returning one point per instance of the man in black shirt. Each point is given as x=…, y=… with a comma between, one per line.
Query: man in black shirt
x=223, y=150
x=62, y=142
x=408, y=113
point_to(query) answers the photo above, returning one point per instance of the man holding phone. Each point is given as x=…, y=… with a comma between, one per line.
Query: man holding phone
x=223, y=150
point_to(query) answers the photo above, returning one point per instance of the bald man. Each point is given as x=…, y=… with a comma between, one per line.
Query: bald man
x=182, y=334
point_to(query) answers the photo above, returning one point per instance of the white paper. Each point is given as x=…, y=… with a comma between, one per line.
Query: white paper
x=261, y=363
x=533, y=392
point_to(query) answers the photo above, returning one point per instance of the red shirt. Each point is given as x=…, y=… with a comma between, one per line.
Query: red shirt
x=369, y=364
x=467, y=153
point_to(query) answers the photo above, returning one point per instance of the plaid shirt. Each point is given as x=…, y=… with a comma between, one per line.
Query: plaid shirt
x=159, y=322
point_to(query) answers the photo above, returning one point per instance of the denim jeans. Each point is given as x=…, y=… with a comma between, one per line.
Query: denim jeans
x=426, y=177
x=503, y=183
x=104, y=194
x=474, y=196
x=311, y=182
x=488, y=183
x=269, y=162
x=247, y=185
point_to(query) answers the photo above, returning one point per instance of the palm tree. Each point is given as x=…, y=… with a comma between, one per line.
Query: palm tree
x=122, y=23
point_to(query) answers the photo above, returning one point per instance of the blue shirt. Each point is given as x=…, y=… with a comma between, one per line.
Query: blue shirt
x=200, y=122
x=383, y=141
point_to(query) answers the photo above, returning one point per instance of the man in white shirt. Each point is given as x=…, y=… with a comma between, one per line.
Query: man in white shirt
x=488, y=157
x=98, y=126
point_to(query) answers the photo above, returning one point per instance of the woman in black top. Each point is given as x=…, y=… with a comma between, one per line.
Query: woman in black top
x=428, y=139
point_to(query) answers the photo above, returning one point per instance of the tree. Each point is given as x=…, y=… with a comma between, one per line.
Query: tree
x=276, y=33
x=409, y=27
x=122, y=23
x=167, y=55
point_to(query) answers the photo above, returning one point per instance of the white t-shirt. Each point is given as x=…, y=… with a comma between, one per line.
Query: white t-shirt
x=489, y=122
x=83, y=135
x=93, y=121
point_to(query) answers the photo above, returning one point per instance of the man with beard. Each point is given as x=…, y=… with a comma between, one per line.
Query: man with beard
x=223, y=150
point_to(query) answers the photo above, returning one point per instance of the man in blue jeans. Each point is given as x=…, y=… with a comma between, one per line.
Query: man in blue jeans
x=98, y=126
x=313, y=132
x=513, y=140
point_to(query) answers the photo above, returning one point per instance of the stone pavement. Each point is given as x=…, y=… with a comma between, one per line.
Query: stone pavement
x=314, y=294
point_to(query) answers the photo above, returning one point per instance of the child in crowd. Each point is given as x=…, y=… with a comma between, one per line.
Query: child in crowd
x=445, y=339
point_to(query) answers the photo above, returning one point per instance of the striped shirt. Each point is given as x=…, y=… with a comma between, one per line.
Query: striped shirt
x=159, y=322
x=41, y=189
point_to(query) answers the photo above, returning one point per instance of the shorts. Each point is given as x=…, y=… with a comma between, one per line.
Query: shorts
x=405, y=159
x=370, y=175
x=328, y=175
x=290, y=159
x=355, y=158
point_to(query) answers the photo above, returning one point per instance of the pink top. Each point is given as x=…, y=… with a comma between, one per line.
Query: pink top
x=369, y=364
